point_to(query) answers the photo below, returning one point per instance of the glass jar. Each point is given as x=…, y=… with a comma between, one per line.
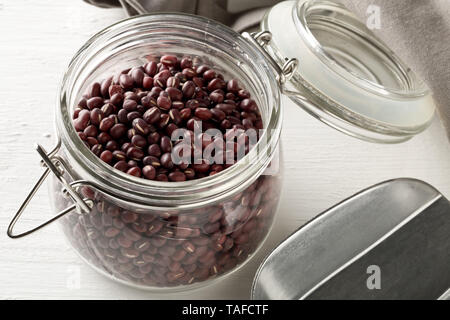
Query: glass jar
x=178, y=235
x=163, y=235
x=346, y=77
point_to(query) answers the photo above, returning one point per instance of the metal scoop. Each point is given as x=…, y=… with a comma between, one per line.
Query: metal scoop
x=390, y=241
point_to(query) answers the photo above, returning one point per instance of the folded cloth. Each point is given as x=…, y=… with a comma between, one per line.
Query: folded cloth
x=418, y=31
x=225, y=11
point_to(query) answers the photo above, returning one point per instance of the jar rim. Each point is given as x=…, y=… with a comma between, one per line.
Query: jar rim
x=369, y=108
x=414, y=87
x=195, y=192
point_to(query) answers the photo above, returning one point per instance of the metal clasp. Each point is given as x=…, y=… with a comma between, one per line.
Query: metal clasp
x=262, y=39
x=52, y=163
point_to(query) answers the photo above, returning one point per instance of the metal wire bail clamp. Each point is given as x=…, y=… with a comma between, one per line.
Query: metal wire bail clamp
x=54, y=164
x=262, y=39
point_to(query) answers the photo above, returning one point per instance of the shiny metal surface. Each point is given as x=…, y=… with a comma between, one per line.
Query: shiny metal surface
x=401, y=227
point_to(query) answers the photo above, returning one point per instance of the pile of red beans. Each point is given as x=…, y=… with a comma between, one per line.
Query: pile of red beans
x=127, y=120
x=176, y=248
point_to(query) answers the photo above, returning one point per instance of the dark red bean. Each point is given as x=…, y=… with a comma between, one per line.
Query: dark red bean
x=185, y=114
x=129, y=105
x=111, y=232
x=125, y=146
x=91, y=141
x=152, y=115
x=133, y=115
x=111, y=145
x=106, y=124
x=97, y=149
x=132, y=163
x=186, y=62
x=82, y=121
x=90, y=131
x=215, y=84
x=177, y=176
x=177, y=105
x=134, y=171
x=208, y=75
x=117, y=130
x=202, y=167
x=153, y=161
x=121, y=165
x=122, y=115
x=138, y=76
x=164, y=103
x=149, y=172
x=104, y=87
x=163, y=121
x=141, y=126
x=115, y=90
x=180, y=76
x=96, y=116
x=201, y=69
x=151, y=68
x=116, y=100
x=218, y=114
x=135, y=153
x=166, y=144
x=126, y=81
x=216, y=97
x=203, y=113
x=226, y=108
x=173, y=82
x=106, y=156
x=94, y=90
x=174, y=94
x=131, y=95
x=247, y=123
x=147, y=82
x=171, y=127
x=189, y=73
x=95, y=102
x=108, y=109
x=169, y=60
x=248, y=105
x=243, y=94
x=233, y=85
x=198, y=82
x=82, y=136
x=160, y=78
x=154, y=93
x=166, y=160
x=188, y=89
x=189, y=173
x=153, y=137
x=154, y=150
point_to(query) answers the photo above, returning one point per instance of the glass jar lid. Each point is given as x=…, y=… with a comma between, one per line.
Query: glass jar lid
x=345, y=76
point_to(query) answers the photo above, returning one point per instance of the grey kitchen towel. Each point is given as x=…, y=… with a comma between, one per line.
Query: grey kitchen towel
x=418, y=31
x=225, y=11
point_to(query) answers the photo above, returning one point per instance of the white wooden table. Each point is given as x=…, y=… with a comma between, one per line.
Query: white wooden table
x=37, y=40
